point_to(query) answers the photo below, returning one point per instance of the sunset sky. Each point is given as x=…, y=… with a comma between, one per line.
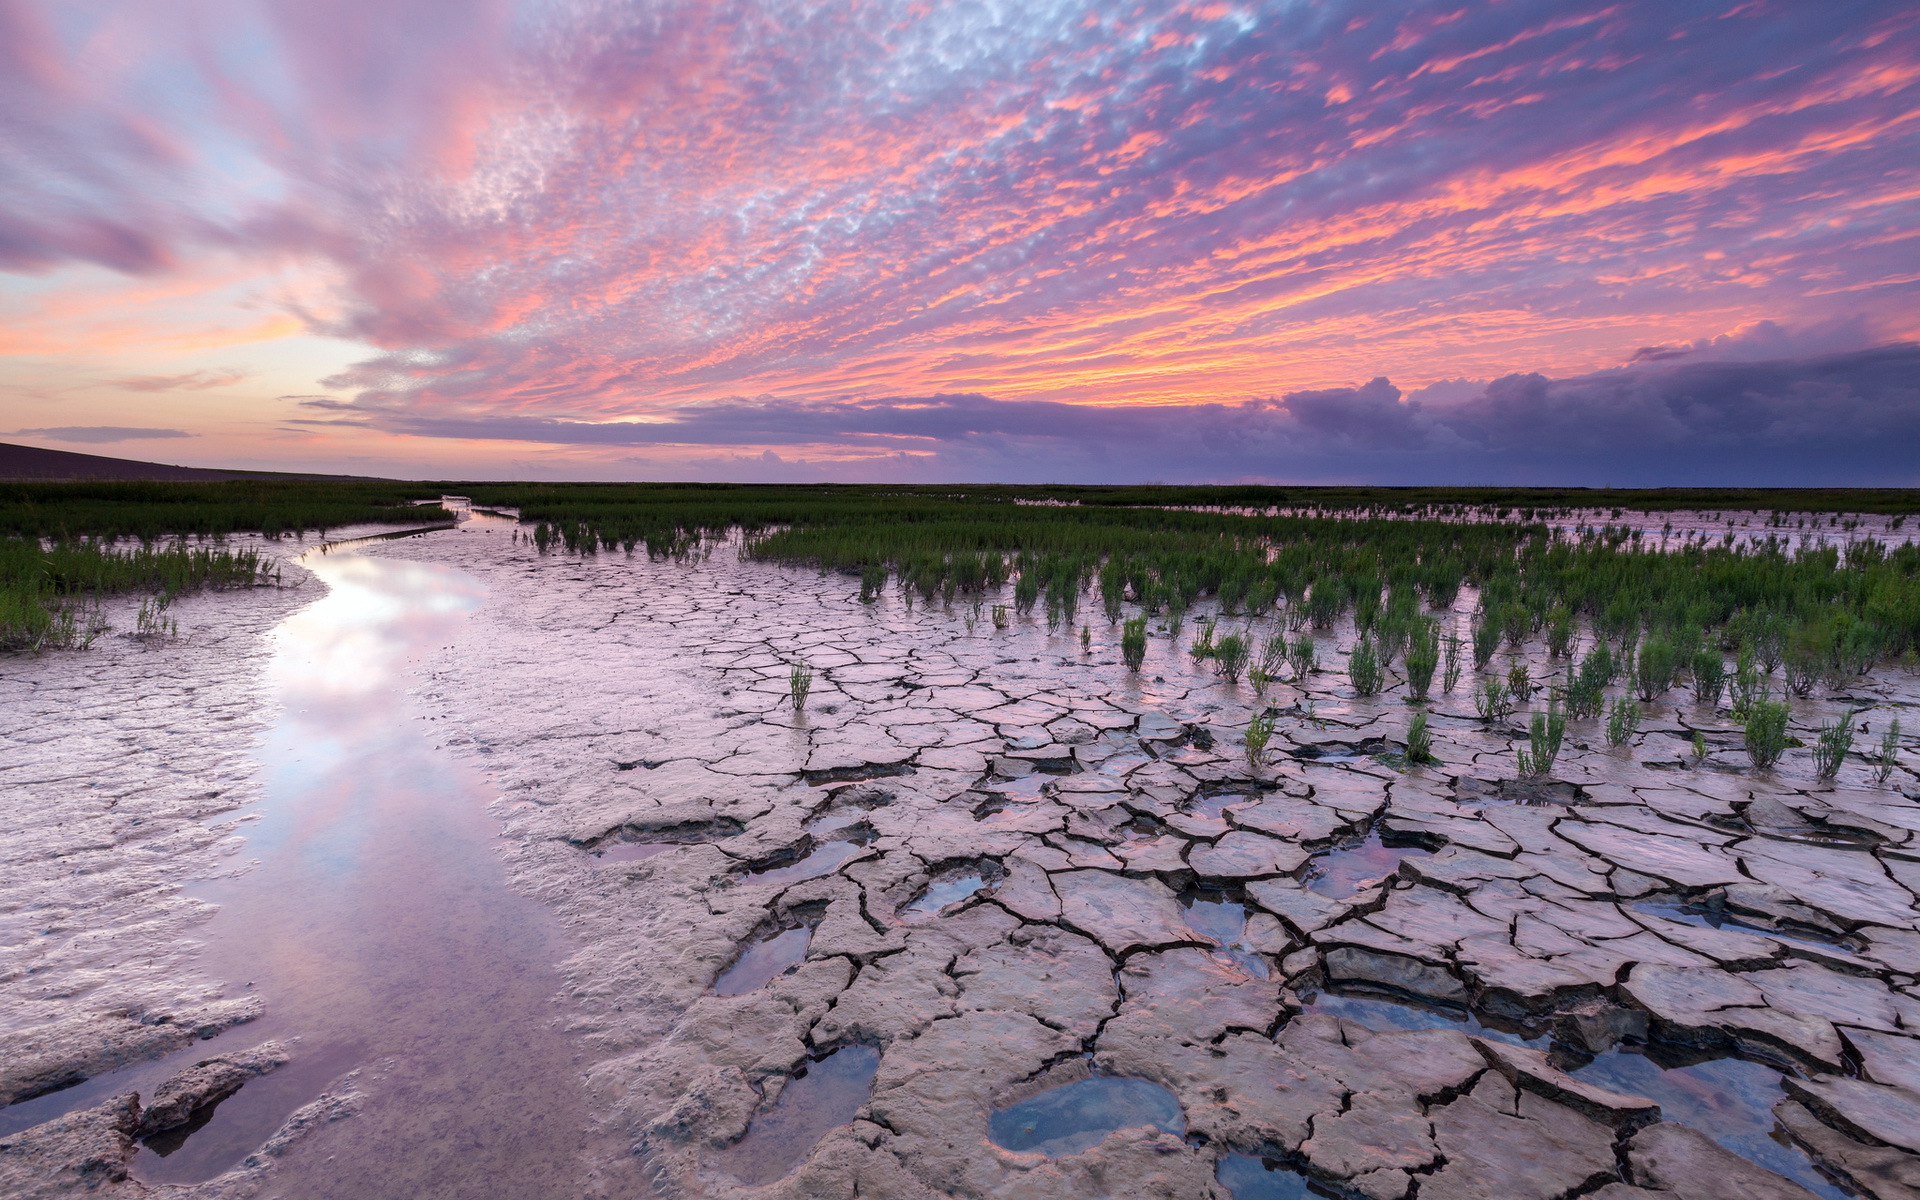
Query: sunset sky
x=1529, y=241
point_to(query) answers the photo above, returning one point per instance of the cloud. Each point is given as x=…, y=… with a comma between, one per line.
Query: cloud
x=1834, y=420
x=192, y=381
x=588, y=211
x=102, y=433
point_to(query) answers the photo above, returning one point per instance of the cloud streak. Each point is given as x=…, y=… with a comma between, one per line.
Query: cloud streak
x=1836, y=420
x=552, y=216
x=102, y=434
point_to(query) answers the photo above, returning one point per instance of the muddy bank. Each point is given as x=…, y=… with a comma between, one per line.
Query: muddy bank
x=993, y=917
x=1131, y=901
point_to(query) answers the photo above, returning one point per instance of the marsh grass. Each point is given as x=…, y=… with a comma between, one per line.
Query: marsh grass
x=1303, y=659
x=1423, y=657
x=1623, y=721
x=1545, y=735
x=1420, y=741
x=1364, y=668
x=1450, y=673
x=1766, y=731
x=1230, y=656
x=1889, y=756
x=1133, y=643
x=1709, y=677
x=799, y=684
x=1259, y=733
x=1202, y=647
x=1830, y=748
x=1492, y=701
x=50, y=594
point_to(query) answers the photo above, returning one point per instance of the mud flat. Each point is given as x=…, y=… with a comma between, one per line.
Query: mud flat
x=993, y=916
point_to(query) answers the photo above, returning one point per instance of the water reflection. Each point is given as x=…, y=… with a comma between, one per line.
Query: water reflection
x=829, y=1095
x=378, y=929
x=762, y=960
x=1347, y=871
x=1078, y=1116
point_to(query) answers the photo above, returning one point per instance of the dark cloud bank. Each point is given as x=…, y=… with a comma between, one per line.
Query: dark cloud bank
x=1828, y=420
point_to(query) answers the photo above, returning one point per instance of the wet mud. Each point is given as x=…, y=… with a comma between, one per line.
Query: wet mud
x=992, y=916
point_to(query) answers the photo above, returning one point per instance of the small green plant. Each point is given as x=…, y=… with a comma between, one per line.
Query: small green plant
x=1623, y=721
x=1492, y=701
x=1273, y=656
x=1486, y=640
x=1450, y=672
x=799, y=683
x=1709, y=677
x=1420, y=741
x=1519, y=682
x=152, y=622
x=1653, y=673
x=873, y=580
x=1699, y=747
x=1202, y=647
x=999, y=616
x=1364, y=669
x=1889, y=756
x=1086, y=640
x=1230, y=656
x=1259, y=732
x=1559, y=631
x=1423, y=656
x=1831, y=747
x=1746, y=686
x=1545, y=735
x=1303, y=659
x=1133, y=643
x=1766, y=732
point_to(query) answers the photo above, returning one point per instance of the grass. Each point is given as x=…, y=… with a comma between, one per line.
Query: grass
x=1259, y=733
x=1623, y=721
x=49, y=594
x=1831, y=746
x=1546, y=734
x=1133, y=643
x=149, y=511
x=1420, y=741
x=1889, y=756
x=799, y=684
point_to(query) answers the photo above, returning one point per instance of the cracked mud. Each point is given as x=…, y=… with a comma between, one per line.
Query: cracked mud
x=993, y=917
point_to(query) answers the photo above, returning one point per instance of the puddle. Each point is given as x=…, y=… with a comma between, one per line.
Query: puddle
x=1346, y=871
x=826, y=1097
x=1382, y=1015
x=613, y=852
x=378, y=930
x=762, y=960
x=1078, y=1116
x=942, y=892
x=1689, y=915
x=1215, y=806
x=1728, y=1099
x=835, y=821
x=823, y=860
x=1224, y=920
x=1250, y=1178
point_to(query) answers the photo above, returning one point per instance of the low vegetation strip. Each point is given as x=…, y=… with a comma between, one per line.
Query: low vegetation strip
x=49, y=593
x=149, y=510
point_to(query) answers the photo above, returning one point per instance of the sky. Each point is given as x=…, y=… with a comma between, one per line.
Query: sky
x=1305, y=241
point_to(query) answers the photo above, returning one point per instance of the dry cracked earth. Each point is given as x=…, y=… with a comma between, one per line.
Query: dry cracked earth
x=992, y=917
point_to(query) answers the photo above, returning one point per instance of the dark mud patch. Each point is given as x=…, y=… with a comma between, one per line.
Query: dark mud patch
x=1533, y=792
x=1078, y=1116
x=859, y=774
x=826, y=1094
x=1344, y=752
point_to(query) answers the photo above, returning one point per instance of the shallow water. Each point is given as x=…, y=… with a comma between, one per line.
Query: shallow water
x=378, y=929
x=1249, y=1178
x=1225, y=921
x=1078, y=1116
x=828, y=1096
x=1728, y=1099
x=613, y=852
x=1347, y=871
x=762, y=960
x=942, y=892
x=822, y=860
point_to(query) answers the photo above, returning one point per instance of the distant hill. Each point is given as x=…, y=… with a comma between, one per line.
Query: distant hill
x=19, y=463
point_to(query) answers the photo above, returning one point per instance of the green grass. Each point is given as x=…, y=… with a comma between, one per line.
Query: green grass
x=154, y=510
x=48, y=594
